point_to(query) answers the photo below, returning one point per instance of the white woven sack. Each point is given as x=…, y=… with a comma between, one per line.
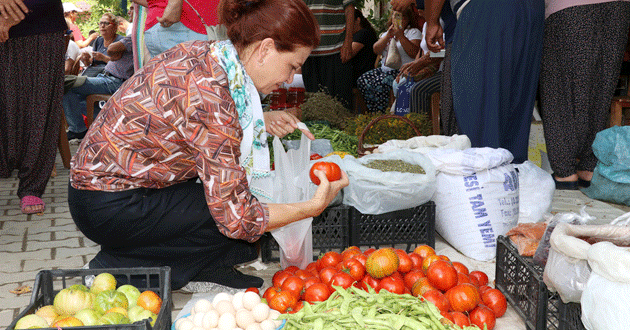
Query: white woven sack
x=605, y=298
x=476, y=198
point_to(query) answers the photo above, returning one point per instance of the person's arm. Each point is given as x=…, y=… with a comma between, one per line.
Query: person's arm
x=116, y=50
x=435, y=33
x=410, y=47
x=346, y=49
x=143, y=3
x=356, y=48
x=172, y=13
x=86, y=42
x=401, y=5
x=5, y=25
x=381, y=43
x=13, y=10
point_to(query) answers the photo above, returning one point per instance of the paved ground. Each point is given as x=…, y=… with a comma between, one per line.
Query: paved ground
x=29, y=244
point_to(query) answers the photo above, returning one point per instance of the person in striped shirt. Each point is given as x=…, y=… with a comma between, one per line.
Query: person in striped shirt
x=328, y=65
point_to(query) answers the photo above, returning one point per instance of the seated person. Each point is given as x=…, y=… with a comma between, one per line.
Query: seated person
x=97, y=59
x=118, y=69
x=72, y=64
x=376, y=84
x=416, y=82
x=363, y=56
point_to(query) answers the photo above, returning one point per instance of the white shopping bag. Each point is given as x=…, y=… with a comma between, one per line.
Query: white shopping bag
x=292, y=184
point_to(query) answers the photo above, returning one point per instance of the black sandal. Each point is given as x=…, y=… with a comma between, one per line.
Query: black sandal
x=565, y=185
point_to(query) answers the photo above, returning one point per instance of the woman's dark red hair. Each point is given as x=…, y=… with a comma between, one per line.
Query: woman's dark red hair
x=288, y=22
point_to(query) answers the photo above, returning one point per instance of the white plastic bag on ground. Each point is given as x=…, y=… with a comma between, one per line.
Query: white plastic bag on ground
x=568, y=269
x=292, y=184
x=373, y=191
x=476, y=198
x=605, y=298
x=425, y=144
x=535, y=192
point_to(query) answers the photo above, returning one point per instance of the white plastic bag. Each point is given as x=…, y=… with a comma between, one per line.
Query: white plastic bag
x=568, y=269
x=476, y=198
x=425, y=144
x=292, y=184
x=373, y=191
x=535, y=192
x=605, y=298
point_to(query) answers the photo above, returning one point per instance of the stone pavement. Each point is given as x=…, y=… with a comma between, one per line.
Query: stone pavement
x=29, y=244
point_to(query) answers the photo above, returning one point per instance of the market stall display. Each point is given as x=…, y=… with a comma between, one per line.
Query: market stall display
x=102, y=299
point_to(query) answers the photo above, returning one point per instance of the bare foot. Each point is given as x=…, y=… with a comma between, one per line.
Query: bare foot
x=585, y=175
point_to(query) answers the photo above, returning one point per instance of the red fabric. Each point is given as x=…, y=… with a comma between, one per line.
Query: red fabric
x=207, y=10
x=76, y=32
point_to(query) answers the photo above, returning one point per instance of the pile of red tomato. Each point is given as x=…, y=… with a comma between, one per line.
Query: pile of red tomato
x=462, y=297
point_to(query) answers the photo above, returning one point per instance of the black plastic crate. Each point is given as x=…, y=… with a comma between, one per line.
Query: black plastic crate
x=521, y=281
x=408, y=227
x=158, y=279
x=330, y=232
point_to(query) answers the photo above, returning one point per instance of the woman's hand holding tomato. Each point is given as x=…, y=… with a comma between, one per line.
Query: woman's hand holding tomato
x=332, y=170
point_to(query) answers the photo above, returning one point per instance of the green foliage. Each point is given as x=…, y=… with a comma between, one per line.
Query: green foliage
x=388, y=129
x=379, y=23
x=89, y=20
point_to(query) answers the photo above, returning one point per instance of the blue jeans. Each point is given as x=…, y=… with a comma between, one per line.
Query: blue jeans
x=160, y=39
x=74, y=105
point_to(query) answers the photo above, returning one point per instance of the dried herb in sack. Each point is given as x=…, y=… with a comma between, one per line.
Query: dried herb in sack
x=321, y=106
x=394, y=165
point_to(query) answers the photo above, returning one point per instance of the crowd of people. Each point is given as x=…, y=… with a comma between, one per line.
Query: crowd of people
x=174, y=170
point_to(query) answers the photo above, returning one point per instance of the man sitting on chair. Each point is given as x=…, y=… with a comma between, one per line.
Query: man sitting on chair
x=118, y=69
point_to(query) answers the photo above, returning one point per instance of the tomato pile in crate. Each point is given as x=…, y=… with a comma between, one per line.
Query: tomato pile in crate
x=67, y=298
x=521, y=280
x=463, y=297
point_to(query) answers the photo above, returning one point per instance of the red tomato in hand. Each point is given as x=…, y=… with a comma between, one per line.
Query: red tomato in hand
x=495, y=300
x=482, y=315
x=332, y=170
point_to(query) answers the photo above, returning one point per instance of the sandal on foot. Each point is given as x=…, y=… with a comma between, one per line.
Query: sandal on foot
x=32, y=205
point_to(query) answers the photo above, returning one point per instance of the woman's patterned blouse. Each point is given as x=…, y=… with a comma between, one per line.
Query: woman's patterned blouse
x=174, y=120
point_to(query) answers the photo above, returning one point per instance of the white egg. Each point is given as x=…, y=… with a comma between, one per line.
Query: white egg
x=178, y=323
x=253, y=326
x=273, y=316
x=244, y=318
x=268, y=325
x=227, y=322
x=202, y=306
x=198, y=319
x=237, y=300
x=224, y=306
x=221, y=296
x=261, y=312
x=198, y=328
x=186, y=324
x=210, y=319
x=250, y=299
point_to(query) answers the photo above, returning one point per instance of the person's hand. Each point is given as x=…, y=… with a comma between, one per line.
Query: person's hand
x=397, y=33
x=100, y=57
x=326, y=190
x=5, y=25
x=172, y=14
x=401, y=5
x=435, y=37
x=13, y=9
x=93, y=36
x=346, y=52
x=85, y=58
x=281, y=123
